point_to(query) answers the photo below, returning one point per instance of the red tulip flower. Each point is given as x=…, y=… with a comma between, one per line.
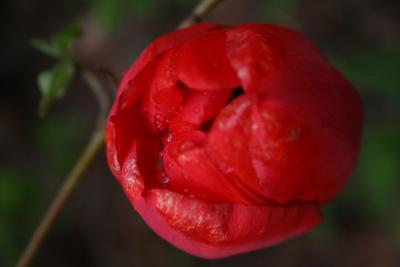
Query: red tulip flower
x=230, y=139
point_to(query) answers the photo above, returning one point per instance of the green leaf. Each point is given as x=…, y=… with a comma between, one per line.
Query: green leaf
x=53, y=84
x=45, y=47
x=59, y=45
x=65, y=39
x=111, y=13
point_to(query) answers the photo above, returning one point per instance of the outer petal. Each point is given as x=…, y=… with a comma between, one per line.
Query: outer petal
x=269, y=58
x=298, y=85
x=214, y=231
x=168, y=41
x=228, y=145
x=128, y=141
x=282, y=148
x=158, y=47
x=165, y=43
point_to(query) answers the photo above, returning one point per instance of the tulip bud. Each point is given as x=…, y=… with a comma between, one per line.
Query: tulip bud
x=230, y=139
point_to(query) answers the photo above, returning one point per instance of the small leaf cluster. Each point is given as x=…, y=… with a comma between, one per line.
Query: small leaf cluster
x=54, y=82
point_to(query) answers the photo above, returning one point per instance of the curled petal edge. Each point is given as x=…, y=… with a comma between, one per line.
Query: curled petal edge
x=277, y=224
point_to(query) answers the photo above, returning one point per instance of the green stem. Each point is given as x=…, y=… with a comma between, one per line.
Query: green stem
x=92, y=148
x=68, y=187
x=199, y=12
x=94, y=145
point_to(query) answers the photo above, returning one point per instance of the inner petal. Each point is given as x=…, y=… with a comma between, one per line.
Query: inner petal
x=162, y=100
x=193, y=173
x=205, y=67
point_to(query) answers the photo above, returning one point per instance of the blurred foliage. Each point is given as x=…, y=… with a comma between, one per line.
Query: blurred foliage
x=18, y=204
x=380, y=162
x=59, y=45
x=54, y=82
x=377, y=184
x=278, y=11
x=111, y=13
x=59, y=137
x=21, y=201
x=373, y=70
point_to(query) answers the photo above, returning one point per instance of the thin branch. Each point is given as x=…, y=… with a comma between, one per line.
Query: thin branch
x=110, y=75
x=199, y=12
x=69, y=185
x=92, y=148
x=94, y=145
x=99, y=91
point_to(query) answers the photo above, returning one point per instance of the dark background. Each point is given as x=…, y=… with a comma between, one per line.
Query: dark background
x=98, y=227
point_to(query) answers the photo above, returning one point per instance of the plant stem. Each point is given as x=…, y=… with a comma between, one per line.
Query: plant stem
x=94, y=145
x=92, y=148
x=69, y=185
x=110, y=75
x=199, y=12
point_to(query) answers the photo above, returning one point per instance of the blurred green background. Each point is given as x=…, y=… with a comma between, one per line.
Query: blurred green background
x=98, y=227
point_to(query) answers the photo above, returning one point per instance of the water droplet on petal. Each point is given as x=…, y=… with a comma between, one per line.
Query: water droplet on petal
x=168, y=138
x=158, y=124
x=128, y=85
x=159, y=121
x=196, y=109
x=164, y=179
x=204, y=93
x=159, y=116
x=187, y=146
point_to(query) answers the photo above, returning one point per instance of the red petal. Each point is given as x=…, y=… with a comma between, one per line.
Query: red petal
x=128, y=143
x=281, y=149
x=229, y=144
x=192, y=172
x=270, y=61
x=214, y=231
x=159, y=46
x=253, y=56
x=162, y=98
x=199, y=107
x=201, y=63
x=163, y=44
x=168, y=41
x=270, y=58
